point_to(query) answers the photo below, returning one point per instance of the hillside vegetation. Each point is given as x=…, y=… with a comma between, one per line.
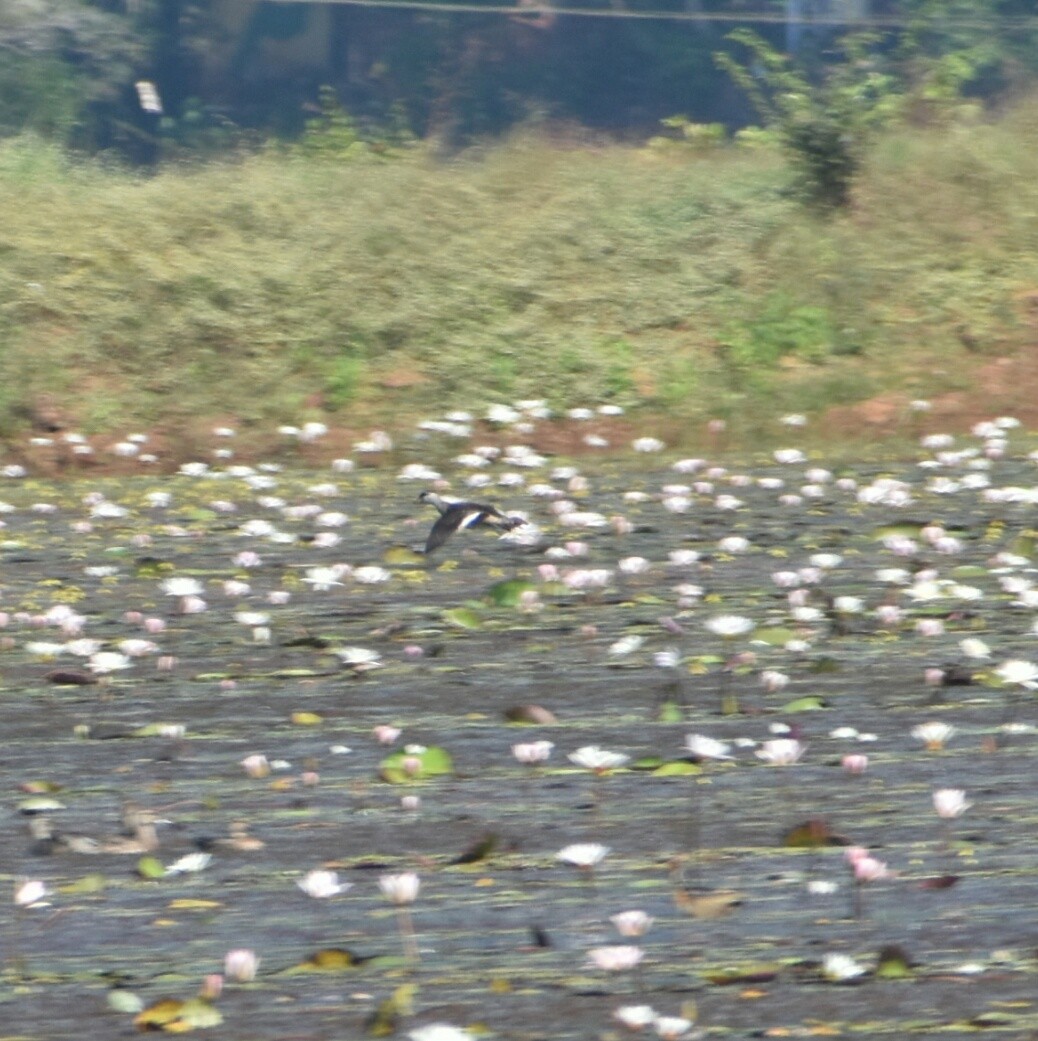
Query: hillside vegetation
x=284, y=286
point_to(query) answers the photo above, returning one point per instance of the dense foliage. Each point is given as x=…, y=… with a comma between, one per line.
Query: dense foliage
x=69, y=67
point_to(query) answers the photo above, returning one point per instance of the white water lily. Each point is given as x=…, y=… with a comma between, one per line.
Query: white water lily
x=781, y=751
x=400, y=889
x=934, y=734
x=599, y=760
x=322, y=578
x=31, y=894
x=360, y=659
x=321, y=884
x=1019, y=673
x=626, y=645
x=841, y=967
x=583, y=854
x=105, y=662
x=371, y=574
x=182, y=587
x=616, y=958
x=950, y=803
x=703, y=747
x=729, y=625
x=190, y=863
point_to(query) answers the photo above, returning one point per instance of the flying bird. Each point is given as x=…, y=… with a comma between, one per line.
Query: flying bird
x=455, y=516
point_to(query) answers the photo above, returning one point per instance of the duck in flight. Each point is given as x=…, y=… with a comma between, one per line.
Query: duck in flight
x=455, y=516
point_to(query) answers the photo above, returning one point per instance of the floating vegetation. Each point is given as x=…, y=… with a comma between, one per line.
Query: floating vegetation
x=785, y=711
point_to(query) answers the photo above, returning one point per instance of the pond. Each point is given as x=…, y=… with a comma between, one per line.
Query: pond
x=203, y=677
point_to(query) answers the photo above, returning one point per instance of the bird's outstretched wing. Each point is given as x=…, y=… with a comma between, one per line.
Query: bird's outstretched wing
x=448, y=523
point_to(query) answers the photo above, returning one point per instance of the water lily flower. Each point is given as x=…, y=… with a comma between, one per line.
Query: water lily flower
x=322, y=578
x=672, y=1028
x=841, y=967
x=371, y=574
x=864, y=866
x=439, y=1032
x=733, y=544
x=626, y=645
x=647, y=444
x=950, y=802
x=105, y=662
x=532, y=752
x=360, y=659
x=598, y=760
x=632, y=923
x=703, y=747
x=781, y=751
x=583, y=854
x=182, y=587
x=1019, y=673
x=635, y=1017
x=617, y=958
x=773, y=681
x=788, y=456
x=31, y=894
x=256, y=765
x=400, y=889
x=934, y=734
x=190, y=863
x=240, y=965
x=729, y=626
x=321, y=884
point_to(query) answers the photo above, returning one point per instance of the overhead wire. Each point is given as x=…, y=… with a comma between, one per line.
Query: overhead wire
x=724, y=17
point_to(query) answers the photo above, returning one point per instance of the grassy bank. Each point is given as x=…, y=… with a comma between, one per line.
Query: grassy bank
x=272, y=289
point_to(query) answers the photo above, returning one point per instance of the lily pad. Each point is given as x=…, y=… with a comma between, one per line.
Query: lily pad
x=463, y=618
x=808, y=703
x=402, y=556
x=403, y=767
x=509, y=593
x=330, y=959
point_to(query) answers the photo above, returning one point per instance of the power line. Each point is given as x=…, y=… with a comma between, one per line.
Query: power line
x=723, y=17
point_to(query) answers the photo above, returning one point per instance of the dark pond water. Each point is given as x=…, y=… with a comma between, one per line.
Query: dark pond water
x=461, y=646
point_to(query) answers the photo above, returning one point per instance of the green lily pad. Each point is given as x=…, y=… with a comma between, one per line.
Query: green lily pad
x=773, y=636
x=677, y=768
x=403, y=767
x=752, y=972
x=808, y=703
x=463, y=618
x=39, y=804
x=893, y=964
x=151, y=867
x=401, y=556
x=508, y=593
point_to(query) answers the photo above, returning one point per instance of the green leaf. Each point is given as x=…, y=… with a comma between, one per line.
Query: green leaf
x=92, y=883
x=403, y=767
x=151, y=867
x=509, y=592
x=893, y=964
x=808, y=703
x=197, y=1014
x=401, y=556
x=463, y=618
x=773, y=636
x=40, y=804
x=330, y=959
x=677, y=768
x=670, y=712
